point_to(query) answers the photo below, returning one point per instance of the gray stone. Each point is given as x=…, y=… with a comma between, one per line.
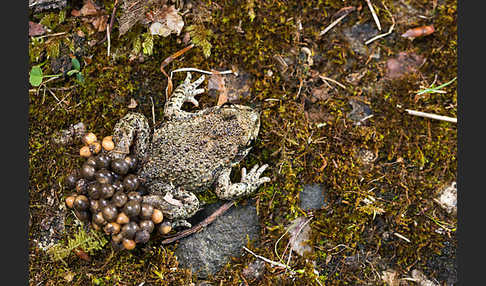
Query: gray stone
x=313, y=197
x=205, y=252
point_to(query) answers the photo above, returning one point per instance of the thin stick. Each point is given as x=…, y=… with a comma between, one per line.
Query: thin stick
x=384, y=34
x=375, y=17
x=201, y=71
x=269, y=261
x=332, y=25
x=401, y=236
x=202, y=224
x=325, y=78
x=51, y=35
x=431, y=115
x=109, y=39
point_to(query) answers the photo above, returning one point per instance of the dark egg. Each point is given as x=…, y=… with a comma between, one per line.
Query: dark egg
x=99, y=219
x=117, y=237
x=132, y=208
x=147, y=225
x=146, y=211
x=82, y=215
x=112, y=228
x=107, y=191
x=91, y=161
x=131, y=183
x=134, y=196
x=81, y=185
x=128, y=230
x=142, y=236
x=131, y=161
x=70, y=180
x=87, y=171
x=118, y=185
x=119, y=199
x=94, y=206
x=119, y=166
x=94, y=191
x=103, y=203
x=104, y=176
x=81, y=203
x=110, y=213
x=103, y=161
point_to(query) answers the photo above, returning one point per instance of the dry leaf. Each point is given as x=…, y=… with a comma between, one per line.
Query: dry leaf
x=216, y=81
x=100, y=23
x=88, y=9
x=36, y=29
x=299, y=231
x=390, y=277
x=166, y=21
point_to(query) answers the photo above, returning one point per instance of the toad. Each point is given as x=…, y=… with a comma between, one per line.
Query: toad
x=190, y=152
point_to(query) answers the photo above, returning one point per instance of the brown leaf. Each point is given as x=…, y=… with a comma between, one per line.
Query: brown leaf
x=166, y=21
x=36, y=29
x=100, y=23
x=216, y=81
x=81, y=254
x=88, y=9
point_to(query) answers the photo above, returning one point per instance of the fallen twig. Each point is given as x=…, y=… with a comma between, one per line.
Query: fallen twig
x=51, y=35
x=199, y=226
x=109, y=40
x=112, y=20
x=375, y=17
x=431, y=115
x=275, y=263
x=325, y=78
x=333, y=24
x=168, y=60
x=384, y=34
x=401, y=236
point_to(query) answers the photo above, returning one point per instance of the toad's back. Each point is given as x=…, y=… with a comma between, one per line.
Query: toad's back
x=191, y=152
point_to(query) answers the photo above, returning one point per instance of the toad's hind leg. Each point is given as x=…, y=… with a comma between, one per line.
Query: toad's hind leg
x=132, y=129
x=185, y=92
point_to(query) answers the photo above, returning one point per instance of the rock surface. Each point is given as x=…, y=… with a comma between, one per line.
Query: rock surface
x=205, y=252
x=313, y=197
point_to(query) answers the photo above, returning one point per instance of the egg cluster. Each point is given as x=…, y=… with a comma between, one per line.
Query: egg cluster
x=109, y=194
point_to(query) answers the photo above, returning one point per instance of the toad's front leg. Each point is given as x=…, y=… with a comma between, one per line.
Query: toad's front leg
x=185, y=92
x=249, y=183
x=132, y=129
